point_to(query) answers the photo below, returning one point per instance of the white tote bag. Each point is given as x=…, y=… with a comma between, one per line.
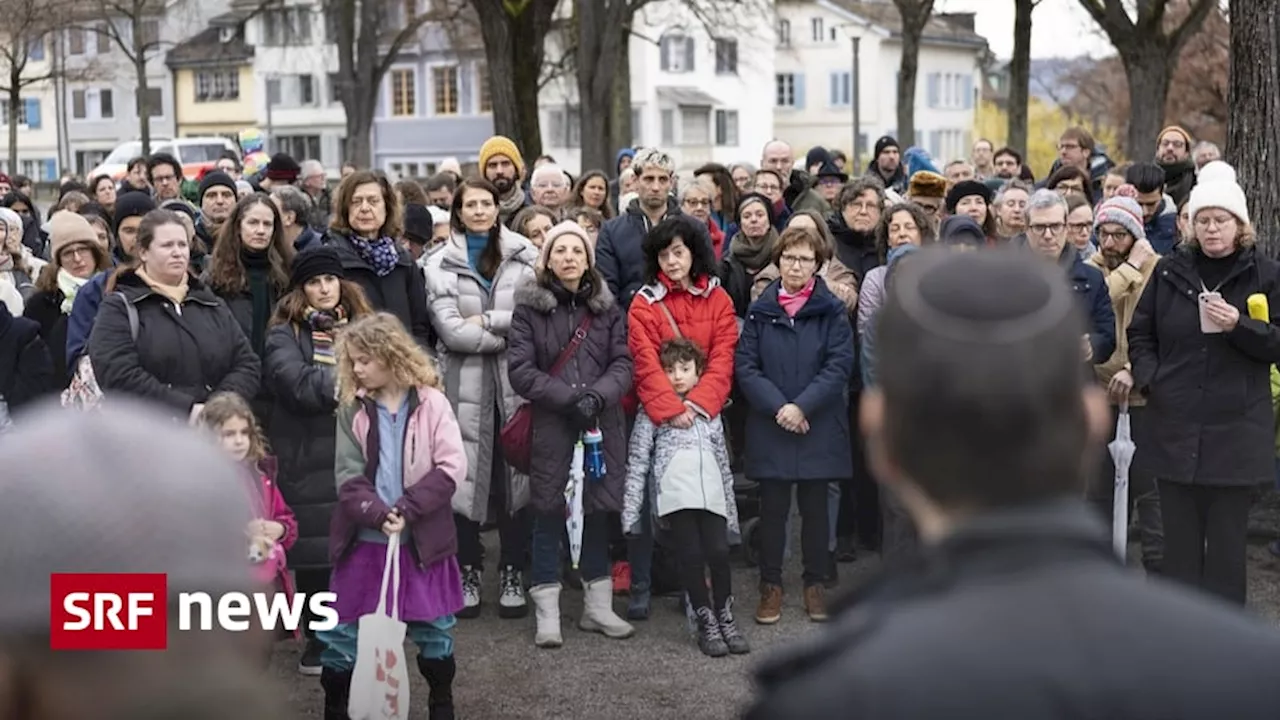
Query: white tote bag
x=380, y=681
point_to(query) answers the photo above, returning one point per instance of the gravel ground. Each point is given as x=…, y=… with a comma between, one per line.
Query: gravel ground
x=658, y=673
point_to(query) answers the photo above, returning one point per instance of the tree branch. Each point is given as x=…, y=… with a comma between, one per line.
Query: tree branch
x=1190, y=24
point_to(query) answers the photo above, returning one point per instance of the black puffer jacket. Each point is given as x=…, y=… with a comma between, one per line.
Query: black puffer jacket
x=402, y=293
x=46, y=308
x=26, y=371
x=1209, y=411
x=182, y=354
x=620, y=250
x=857, y=251
x=302, y=437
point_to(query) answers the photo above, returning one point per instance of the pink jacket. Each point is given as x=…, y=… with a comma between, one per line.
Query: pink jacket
x=275, y=568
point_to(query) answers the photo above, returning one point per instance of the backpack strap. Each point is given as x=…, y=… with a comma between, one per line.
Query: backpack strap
x=132, y=312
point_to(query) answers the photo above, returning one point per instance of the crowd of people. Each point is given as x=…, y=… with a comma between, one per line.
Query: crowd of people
x=421, y=361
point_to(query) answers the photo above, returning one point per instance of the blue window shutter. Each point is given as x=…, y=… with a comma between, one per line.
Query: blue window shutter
x=935, y=143
x=932, y=98
x=36, y=50
x=799, y=80
x=33, y=113
x=664, y=48
x=50, y=170
x=835, y=90
x=688, y=55
x=967, y=86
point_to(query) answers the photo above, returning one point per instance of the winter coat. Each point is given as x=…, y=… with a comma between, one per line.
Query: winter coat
x=1095, y=302
x=896, y=182
x=302, y=436
x=840, y=280
x=46, y=308
x=401, y=293
x=738, y=281
x=679, y=470
x=475, y=360
x=869, y=310
x=977, y=628
x=620, y=250
x=857, y=251
x=1162, y=229
x=1179, y=178
x=806, y=360
x=435, y=464
x=545, y=320
x=277, y=510
x=26, y=371
x=704, y=314
x=1124, y=286
x=84, y=311
x=182, y=355
x=1208, y=400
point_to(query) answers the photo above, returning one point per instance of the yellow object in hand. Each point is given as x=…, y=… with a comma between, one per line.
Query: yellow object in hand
x=1258, y=308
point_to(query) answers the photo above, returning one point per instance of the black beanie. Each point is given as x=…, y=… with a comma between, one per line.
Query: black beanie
x=213, y=179
x=750, y=198
x=283, y=168
x=418, y=225
x=887, y=141
x=964, y=189
x=313, y=262
x=134, y=203
x=816, y=156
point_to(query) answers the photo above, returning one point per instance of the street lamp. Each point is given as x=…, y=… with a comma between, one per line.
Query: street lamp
x=855, y=86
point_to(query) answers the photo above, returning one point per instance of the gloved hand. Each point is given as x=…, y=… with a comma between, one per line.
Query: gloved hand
x=588, y=407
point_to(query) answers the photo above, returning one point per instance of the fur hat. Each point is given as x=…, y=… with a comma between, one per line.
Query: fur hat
x=500, y=145
x=566, y=227
x=927, y=184
x=1122, y=210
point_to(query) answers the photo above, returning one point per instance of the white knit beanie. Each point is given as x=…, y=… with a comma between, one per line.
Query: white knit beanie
x=1218, y=193
x=1215, y=171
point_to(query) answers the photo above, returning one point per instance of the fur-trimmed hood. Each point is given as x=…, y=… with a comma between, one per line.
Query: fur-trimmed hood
x=545, y=297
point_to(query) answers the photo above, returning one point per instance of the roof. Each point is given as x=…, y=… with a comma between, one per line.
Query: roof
x=885, y=14
x=686, y=96
x=207, y=48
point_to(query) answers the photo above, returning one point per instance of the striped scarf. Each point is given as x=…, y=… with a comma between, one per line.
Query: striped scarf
x=324, y=323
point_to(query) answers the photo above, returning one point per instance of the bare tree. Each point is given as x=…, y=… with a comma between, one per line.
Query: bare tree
x=1253, y=130
x=28, y=23
x=603, y=29
x=1148, y=45
x=1020, y=74
x=915, y=15
x=515, y=35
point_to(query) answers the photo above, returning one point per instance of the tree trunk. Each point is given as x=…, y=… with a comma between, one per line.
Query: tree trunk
x=621, y=133
x=144, y=109
x=1148, y=69
x=15, y=98
x=907, y=86
x=600, y=28
x=357, y=146
x=1253, y=129
x=1020, y=76
x=513, y=47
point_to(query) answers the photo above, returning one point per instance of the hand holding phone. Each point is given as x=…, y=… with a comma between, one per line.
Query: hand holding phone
x=1207, y=323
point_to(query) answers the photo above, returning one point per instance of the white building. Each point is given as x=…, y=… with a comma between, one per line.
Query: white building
x=814, y=82
x=700, y=97
x=36, y=118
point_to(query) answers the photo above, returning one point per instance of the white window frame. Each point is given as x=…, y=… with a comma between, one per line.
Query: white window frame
x=430, y=85
x=777, y=78
x=389, y=113
x=817, y=29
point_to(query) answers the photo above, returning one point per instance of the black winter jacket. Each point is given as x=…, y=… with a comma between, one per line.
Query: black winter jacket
x=303, y=437
x=26, y=370
x=1209, y=410
x=183, y=354
x=402, y=293
x=620, y=250
x=46, y=309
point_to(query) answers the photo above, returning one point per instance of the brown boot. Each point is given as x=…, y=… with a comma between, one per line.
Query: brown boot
x=769, y=611
x=815, y=603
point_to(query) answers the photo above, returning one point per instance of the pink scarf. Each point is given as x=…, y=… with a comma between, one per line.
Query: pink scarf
x=791, y=304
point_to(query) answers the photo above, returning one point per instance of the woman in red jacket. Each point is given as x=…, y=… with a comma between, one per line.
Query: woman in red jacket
x=682, y=297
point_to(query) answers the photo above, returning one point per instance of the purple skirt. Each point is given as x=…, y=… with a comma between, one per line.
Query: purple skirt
x=425, y=594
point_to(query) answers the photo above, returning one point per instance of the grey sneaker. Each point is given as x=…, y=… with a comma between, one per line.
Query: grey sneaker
x=511, y=600
x=471, y=577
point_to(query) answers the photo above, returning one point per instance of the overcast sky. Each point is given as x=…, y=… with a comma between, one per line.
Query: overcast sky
x=1053, y=22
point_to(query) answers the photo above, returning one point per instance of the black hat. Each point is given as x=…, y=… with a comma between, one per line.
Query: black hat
x=750, y=198
x=213, y=179
x=283, y=168
x=418, y=225
x=964, y=189
x=961, y=230
x=181, y=206
x=887, y=141
x=816, y=156
x=829, y=169
x=134, y=203
x=313, y=262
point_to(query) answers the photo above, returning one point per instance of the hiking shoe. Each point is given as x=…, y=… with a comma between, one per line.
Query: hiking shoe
x=815, y=603
x=310, y=662
x=511, y=600
x=471, y=577
x=638, y=607
x=710, y=640
x=729, y=630
x=769, y=611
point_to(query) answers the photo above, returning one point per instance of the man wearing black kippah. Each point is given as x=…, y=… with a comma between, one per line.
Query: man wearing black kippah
x=984, y=428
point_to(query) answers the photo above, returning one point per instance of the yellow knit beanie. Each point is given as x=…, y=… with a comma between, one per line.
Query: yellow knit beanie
x=499, y=145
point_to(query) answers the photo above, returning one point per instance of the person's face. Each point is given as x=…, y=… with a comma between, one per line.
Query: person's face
x=624, y=163
x=536, y=229
x=1115, y=243
x=323, y=292
x=479, y=212
x=1206, y=155
x=973, y=206
x=888, y=160
x=77, y=259
x=742, y=180
x=755, y=220
x=932, y=207
x=698, y=204
x=903, y=230
x=1007, y=168
x=128, y=234
x=1172, y=148
x=228, y=166
x=593, y=230
x=5, y=188
x=138, y=175
x=314, y=182
x=982, y=154
x=23, y=210
x=106, y=193
x=1070, y=152
x=1047, y=231
x=287, y=217
x=217, y=203
x=256, y=226
x=166, y=180
x=568, y=259
x=441, y=198
x=777, y=157
x=167, y=258
x=767, y=185
x=594, y=192
x=370, y=372
x=863, y=213
x=627, y=184
x=368, y=209
x=1070, y=185
x=1079, y=226
x=797, y=265
x=655, y=185
x=13, y=238
x=1151, y=203
x=236, y=438
x=829, y=188
x=500, y=171
x=550, y=190
x=100, y=229
x=1216, y=230
x=440, y=233
x=1013, y=211
x=1184, y=222
x=1110, y=184
x=683, y=375
x=959, y=172
x=675, y=260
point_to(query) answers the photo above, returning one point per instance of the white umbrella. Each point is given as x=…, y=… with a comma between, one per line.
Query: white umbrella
x=1121, y=450
x=573, y=504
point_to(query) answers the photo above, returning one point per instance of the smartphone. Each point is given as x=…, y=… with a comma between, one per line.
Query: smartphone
x=1206, y=324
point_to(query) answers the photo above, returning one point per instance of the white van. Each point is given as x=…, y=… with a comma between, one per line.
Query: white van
x=195, y=153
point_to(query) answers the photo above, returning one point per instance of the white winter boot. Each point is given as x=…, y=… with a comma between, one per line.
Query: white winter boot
x=597, y=610
x=546, y=604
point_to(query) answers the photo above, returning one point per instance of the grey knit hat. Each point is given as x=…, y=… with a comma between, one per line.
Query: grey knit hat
x=1121, y=210
x=124, y=490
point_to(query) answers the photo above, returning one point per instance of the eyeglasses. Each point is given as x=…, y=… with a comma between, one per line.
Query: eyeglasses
x=1068, y=146
x=1079, y=227
x=1054, y=228
x=767, y=188
x=1206, y=222
x=867, y=206
x=697, y=203
x=797, y=260
x=829, y=181
x=1112, y=236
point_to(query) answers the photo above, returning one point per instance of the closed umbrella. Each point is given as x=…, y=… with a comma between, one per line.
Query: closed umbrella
x=573, y=504
x=1121, y=449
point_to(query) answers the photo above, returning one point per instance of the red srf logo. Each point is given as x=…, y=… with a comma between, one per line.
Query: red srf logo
x=108, y=611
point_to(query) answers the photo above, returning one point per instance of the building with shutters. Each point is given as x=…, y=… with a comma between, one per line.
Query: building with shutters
x=213, y=81
x=34, y=115
x=814, y=83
